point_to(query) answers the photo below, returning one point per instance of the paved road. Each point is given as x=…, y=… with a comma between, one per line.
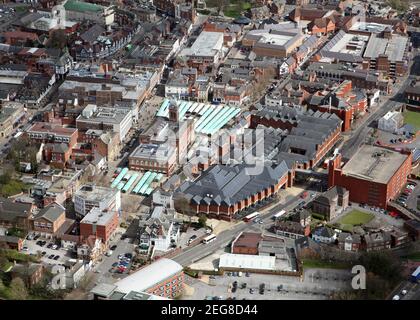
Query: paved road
x=358, y=136
x=224, y=238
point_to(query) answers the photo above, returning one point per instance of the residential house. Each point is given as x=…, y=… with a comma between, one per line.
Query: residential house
x=391, y=121
x=377, y=241
x=31, y=273
x=49, y=220
x=14, y=214
x=11, y=242
x=91, y=249
x=291, y=229
x=349, y=242
x=331, y=203
x=159, y=231
x=324, y=235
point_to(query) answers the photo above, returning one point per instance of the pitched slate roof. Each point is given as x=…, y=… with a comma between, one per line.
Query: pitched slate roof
x=223, y=184
x=51, y=212
x=10, y=211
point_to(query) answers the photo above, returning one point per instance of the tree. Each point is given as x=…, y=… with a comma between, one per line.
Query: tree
x=202, y=221
x=18, y=289
x=58, y=39
x=182, y=205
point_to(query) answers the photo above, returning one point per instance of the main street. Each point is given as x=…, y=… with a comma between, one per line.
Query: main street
x=200, y=251
x=359, y=135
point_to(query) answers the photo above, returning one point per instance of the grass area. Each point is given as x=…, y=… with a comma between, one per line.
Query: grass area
x=13, y=255
x=11, y=188
x=413, y=256
x=233, y=9
x=15, y=232
x=356, y=217
x=6, y=267
x=312, y=263
x=413, y=118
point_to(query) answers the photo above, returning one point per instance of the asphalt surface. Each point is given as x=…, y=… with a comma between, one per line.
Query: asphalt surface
x=201, y=250
x=350, y=147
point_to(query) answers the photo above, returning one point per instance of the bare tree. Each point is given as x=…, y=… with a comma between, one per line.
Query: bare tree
x=183, y=206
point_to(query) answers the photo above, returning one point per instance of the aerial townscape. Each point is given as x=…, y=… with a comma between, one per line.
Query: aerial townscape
x=209, y=150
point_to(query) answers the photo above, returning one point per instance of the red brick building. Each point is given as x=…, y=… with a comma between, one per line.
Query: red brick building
x=163, y=278
x=246, y=243
x=101, y=224
x=342, y=101
x=20, y=38
x=373, y=175
x=223, y=191
x=54, y=133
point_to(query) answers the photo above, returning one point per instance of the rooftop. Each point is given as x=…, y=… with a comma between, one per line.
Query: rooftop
x=96, y=193
x=73, y=5
x=246, y=261
x=98, y=217
x=58, y=129
x=393, y=48
x=161, y=152
x=207, y=44
x=374, y=164
x=149, y=276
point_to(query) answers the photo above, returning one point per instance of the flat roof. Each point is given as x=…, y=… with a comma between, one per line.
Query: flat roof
x=98, y=217
x=96, y=193
x=350, y=44
x=206, y=44
x=149, y=276
x=246, y=261
x=393, y=48
x=368, y=27
x=374, y=164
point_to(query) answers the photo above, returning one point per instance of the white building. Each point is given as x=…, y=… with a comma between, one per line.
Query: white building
x=94, y=117
x=88, y=197
x=391, y=121
x=81, y=11
x=247, y=261
x=206, y=48
x=159, y=231
x=163, y=198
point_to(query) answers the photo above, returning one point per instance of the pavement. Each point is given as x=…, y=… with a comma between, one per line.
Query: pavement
x=102, y=269
x=34, y=249
x=413, y=291
x=359, y=135
x=201, y=250
x=292, y=288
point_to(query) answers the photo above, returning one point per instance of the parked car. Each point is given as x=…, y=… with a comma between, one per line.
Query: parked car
x=56, y=258
x=113, y=247
x=25, y=249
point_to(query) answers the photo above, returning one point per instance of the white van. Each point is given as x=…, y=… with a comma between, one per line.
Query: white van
x=396, y=297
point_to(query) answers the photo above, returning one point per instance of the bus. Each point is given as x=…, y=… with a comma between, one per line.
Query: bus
x=209, y=238
x=251, y=216
x=279, y=214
